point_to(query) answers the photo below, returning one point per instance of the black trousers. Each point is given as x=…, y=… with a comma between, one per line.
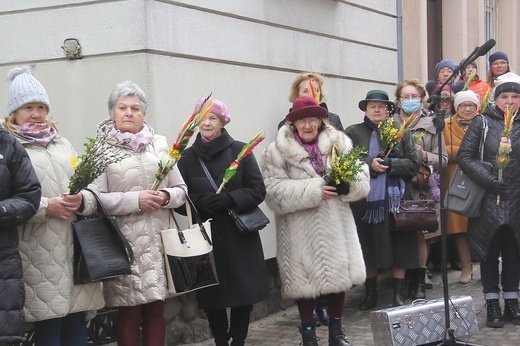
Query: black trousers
x=235, y=329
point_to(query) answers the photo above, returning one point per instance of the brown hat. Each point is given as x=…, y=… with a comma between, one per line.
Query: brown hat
x=305, y=107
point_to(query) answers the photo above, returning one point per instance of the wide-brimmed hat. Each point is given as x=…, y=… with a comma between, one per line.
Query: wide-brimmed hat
x=305, y=107
x=375, y=95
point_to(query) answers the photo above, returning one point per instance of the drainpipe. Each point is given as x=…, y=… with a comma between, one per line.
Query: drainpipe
x=399, y=14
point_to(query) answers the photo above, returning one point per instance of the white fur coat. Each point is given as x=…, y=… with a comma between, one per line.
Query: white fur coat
x=318, y=249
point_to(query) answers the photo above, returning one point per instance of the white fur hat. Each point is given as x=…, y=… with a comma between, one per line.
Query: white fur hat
x=25, y=89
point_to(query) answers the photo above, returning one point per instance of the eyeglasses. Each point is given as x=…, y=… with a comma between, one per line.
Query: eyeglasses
x=471, y=106
x=410, y=97
x=499, y=63
x=311, y=121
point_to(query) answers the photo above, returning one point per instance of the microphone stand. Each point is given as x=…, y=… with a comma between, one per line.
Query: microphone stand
x=438, y=121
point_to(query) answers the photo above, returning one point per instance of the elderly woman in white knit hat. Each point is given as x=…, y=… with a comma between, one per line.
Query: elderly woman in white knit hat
x=466, y=105
x=495, y=233
x=55, y=305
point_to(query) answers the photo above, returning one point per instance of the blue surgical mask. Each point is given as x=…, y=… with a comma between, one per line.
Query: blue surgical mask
x=411, y=106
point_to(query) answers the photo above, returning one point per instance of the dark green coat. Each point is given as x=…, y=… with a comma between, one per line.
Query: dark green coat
x=381, y=247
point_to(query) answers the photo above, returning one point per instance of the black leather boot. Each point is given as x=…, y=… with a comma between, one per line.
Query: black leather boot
x=308, y=337
x=323, y=314
x=398, y=292
x=419, y=291
x=512, y=311
x=316, y=318
x=370, y=300
x=337, y=336
x=494, y=314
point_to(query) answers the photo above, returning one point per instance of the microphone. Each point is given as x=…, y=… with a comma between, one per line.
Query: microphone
x=481, y=51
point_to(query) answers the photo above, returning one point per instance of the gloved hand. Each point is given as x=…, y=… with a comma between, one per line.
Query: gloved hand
x=498, y=187
x=219, y=202
x=342, y=188
x=387, y=162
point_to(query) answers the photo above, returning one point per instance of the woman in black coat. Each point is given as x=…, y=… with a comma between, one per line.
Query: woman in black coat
x=496, y=233
x=20, y=194
x=239, y=258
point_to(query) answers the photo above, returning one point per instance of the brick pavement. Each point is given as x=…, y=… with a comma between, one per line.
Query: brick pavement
x=281, y=329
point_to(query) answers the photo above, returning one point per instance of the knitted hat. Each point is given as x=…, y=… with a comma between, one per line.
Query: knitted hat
x=466, y=96
x=445, y=63
x=25, y=89
x=305, y=107
x=219, y=109
x=498, y=55
x=447, y=94
x=508, y=82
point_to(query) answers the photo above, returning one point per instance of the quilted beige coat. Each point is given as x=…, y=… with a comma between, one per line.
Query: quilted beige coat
x=119, y=190
x=318, y=249
x=46, y=243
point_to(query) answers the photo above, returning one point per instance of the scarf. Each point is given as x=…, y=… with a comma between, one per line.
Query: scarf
x=382, y=184
x=314, y=154
x=137, y=141
x=463, y=123
x=41, y=133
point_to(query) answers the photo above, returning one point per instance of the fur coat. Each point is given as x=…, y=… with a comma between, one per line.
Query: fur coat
x=318, y=249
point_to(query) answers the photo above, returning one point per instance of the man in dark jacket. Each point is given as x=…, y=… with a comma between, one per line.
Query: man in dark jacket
x=20, y=194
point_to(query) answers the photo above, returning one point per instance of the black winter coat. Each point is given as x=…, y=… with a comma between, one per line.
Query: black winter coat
x=239, y=258
x=20, y=194
x=481, y=230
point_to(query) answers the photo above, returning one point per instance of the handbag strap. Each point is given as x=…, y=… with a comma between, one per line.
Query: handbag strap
x=212, y=182
x=101, y=210
x=189, y=214
x=485, y=129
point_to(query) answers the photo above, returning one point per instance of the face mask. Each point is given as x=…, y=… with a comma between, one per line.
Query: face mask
x=410, y=106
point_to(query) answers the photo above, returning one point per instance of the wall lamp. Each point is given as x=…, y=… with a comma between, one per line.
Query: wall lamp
x=72, y=48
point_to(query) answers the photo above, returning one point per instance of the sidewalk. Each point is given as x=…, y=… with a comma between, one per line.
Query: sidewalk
x=281, y=329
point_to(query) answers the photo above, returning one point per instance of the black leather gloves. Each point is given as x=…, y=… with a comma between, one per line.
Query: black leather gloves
x=498, y=187
x=213, y=204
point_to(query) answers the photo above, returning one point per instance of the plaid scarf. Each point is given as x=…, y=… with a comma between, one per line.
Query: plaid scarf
x=41, y=133
x=381, y=185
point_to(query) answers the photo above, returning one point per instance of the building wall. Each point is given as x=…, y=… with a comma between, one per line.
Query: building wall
x=246, y=52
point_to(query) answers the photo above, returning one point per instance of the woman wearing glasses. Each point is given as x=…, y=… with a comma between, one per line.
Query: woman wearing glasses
x=466, y=105
x=410, y=95
x=317, y=243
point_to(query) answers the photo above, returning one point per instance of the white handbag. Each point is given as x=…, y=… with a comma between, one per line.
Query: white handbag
x=188, y=255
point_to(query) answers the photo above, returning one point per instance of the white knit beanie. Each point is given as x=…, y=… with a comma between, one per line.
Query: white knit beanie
x=466, y=96
x=25, y=89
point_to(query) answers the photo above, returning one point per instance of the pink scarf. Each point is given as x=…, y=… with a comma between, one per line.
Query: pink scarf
x=314, y=153
x=137, y=141
x=41, y=133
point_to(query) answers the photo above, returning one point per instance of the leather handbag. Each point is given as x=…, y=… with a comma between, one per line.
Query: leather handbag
x=421, y=178
x=245, y=221
x=101, y=251
x=188, y=254
x=464, y=196
x=415, y=216
x=249, y=221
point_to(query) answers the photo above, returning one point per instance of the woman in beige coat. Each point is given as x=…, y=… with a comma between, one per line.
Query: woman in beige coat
x=55, y=305
x=124, y=189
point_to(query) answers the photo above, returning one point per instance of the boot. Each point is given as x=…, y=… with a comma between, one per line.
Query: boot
x=419, y=291
x=316, y=318
x=370, y=300
x=512, y=311
x=239, y=324
x=336, y=335
x=323, y=314
x=494, y=314
x=308, y=337
x=398, y=292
